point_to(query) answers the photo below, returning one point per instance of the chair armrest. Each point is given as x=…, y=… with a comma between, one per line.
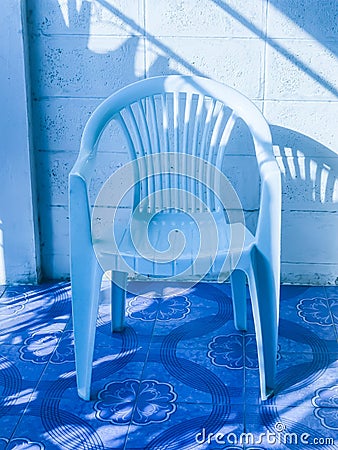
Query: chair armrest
x=268, y=234
x=83, y=166
x=79, y=217
x=270, y=204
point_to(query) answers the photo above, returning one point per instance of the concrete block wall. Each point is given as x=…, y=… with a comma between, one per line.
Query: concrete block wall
x=280, y=53
x=19, y=237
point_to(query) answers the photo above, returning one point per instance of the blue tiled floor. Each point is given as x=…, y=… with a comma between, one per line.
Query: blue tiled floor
x=180, y=368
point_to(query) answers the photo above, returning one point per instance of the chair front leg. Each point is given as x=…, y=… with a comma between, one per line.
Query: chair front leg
x=238, y=289
x=86, y=282
x=265, y=304
x=118, y=300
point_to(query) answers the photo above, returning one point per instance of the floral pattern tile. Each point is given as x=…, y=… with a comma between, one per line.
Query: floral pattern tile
x=18, y=378
x=315, y=311
x=306, y=315
x=189, y=427
x=298, y=376
x=234, y=351
x=27, y=310
x=60, y=424
x=142, y=329
x=178, y=373
x=141, y=402
x=162, y=309
x=196, y=379
x=25, y=444
x=326, y=406
x=59, y=380
x=56, y=347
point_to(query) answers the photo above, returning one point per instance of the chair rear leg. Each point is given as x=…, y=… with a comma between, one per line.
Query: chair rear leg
x=238, y=289
x=118, y=300
x=86, y=282
x=265, y=304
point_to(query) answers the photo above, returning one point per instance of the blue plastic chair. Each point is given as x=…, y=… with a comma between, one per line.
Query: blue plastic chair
x=180, y=125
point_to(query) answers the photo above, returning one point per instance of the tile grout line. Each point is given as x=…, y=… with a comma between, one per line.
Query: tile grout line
x=145, y=41
x=141, y=33
x=138, y=390
x=74, y=98
x=335, y=326
x=3, y=292
x=244, y=388
x=23, y=415
x=264, y=93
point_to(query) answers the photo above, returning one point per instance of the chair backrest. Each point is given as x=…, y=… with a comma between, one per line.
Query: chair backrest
x=189, y=120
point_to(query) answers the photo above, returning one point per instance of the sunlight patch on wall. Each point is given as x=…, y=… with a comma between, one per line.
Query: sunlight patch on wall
x=316, y=179
x=324, y=176
x=63, y=4
x=335, y=192
x=139, y=60
x=64, y=7
x=101, y=45
x=301, y=165
x=114, y=18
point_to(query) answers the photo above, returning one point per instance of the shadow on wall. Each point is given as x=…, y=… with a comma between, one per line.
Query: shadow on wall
x=72, y=68
x=310, y=204
x=309, y=169
x=312, y=17
x=298, y=12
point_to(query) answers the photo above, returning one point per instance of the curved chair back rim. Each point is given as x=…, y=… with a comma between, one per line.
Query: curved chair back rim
x=239, y=103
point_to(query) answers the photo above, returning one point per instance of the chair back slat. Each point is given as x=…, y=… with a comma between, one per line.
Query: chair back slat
x=216, y=132
x=185, y=145
x=147, y=184
x=167, y=201
x=175, y=145
x=210, y=107
x=154, y=136
x=178, y=116
x=132, y=116
x=121, y=120
x=177, y=124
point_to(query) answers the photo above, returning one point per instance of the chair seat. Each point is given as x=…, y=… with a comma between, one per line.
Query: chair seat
x=173, y=244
